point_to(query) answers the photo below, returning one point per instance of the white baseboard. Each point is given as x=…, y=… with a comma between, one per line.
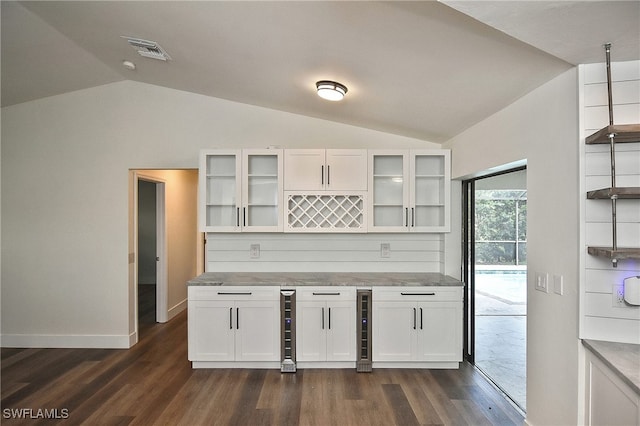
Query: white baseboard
x=67, y=341
x=175, y=310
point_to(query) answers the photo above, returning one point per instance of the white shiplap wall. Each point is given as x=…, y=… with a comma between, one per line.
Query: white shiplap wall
x=599, y=318
x=289, y=252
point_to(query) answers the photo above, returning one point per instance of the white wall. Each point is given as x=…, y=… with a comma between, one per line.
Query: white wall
x=600, y=320
x=541, y=128
x=65, y=195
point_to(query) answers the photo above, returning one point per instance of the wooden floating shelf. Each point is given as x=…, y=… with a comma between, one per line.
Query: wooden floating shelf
x=625, y=133
x=619, y=254
x=631, y=192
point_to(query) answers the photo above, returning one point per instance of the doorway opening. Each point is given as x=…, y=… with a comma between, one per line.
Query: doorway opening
x=495, y=269
x=151, y=236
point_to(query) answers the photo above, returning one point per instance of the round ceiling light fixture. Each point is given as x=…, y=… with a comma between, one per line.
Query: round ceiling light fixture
x=331, y=90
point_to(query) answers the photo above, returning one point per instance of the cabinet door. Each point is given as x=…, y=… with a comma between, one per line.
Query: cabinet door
x=341, y=331
x=346, y=169
x=388, y=191
x=440, y=331
x=220, y=190
x=311, y=327
x=304, y=169
x=211, y=331
x=262, y=190
x=257, y=330
x=430, y=177
x=394, y=331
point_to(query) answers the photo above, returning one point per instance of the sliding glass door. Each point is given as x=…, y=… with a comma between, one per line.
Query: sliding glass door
x=496, y=274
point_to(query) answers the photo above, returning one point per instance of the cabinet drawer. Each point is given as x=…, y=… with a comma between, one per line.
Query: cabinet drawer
x=234, y=293
x=423, y=294
x=325, y=293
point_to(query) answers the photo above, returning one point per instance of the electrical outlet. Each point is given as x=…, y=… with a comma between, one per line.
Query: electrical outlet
x=254, y=251
x=385, y=250
x=618, y=296
x=542, y=282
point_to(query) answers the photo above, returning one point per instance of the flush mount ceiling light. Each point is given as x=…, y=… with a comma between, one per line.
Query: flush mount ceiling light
x=331, y=90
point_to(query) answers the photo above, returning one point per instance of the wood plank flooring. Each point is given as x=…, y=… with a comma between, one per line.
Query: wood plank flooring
x=154, y=384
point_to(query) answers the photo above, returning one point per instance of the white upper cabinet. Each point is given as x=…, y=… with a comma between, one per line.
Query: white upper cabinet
x=409, y=191
x=325, y=169
x=241, y=190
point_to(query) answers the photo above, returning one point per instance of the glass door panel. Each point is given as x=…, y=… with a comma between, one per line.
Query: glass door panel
x=221, y=191
x=262, y=190
x=388, y=191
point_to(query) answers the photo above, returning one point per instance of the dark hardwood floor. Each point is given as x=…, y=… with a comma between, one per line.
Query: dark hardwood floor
x=153, y=383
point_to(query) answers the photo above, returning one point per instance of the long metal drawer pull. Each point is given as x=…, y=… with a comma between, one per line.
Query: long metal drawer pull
x=329, y=318
x=226, y=293
x=418, y=294
x=328, y=179
x=406, y=216
x=237, y=318
x=420, y=318
x=414, y=318
x=326, y=294
x=230, y=318
x=323, y=318
x=322, y=175
x=413, y=217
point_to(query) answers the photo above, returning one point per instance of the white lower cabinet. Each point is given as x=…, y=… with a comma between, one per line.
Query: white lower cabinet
x=609, y=400
x=228, y=327
x=326, y=325
x=417, y=325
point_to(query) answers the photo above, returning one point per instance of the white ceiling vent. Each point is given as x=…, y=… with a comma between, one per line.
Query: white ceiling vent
x=147, y=48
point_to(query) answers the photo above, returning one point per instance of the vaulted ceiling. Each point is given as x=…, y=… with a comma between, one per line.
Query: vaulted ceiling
x=422, y=69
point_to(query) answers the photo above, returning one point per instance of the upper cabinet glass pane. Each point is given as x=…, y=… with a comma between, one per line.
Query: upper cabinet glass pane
x=221, y=165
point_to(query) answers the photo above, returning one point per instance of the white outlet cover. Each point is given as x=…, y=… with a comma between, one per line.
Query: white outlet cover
x=632, y=291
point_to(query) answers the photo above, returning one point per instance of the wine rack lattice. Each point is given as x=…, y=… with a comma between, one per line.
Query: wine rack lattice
x=342, y=213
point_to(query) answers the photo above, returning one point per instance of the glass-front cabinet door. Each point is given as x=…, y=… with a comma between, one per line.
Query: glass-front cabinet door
x=410, y=190
x=220, y=190
x=241, y=190
x=389, y=191
x=430, y=194
x=262, y=190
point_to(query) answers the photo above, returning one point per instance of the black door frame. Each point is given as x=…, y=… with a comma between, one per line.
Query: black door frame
x=468, y=256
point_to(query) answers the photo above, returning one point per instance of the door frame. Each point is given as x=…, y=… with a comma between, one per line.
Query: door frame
x=162, y=313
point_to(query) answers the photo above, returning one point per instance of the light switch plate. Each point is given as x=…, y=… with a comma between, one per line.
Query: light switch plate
x=385, y=250
x=558, y=285
x=542, y=282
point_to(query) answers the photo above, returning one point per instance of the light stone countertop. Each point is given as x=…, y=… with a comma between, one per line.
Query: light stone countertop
x=324, y=279
x=622, y=358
